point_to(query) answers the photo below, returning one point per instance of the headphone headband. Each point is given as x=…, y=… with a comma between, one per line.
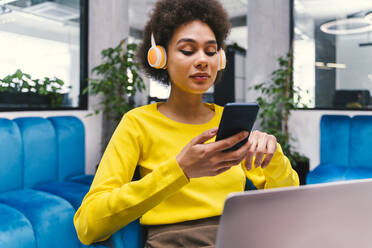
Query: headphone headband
x=153, y=44
x=157, y=56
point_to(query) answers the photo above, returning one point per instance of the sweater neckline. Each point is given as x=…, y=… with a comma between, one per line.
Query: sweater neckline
x=208, y=105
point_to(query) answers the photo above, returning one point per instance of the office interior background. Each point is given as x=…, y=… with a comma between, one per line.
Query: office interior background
x=61, y=41
x=331, y=43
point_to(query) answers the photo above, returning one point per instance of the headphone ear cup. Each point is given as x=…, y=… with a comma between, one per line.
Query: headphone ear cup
x=157, y=57
x=221, y=59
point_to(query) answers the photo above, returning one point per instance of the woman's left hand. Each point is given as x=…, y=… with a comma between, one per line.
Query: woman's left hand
x=260, y=144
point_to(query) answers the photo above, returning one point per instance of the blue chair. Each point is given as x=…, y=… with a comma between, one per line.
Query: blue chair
x=345, y=149
x=334, y=150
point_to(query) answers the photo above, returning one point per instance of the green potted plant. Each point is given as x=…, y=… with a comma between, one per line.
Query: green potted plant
x=19, y=90
x=118, y=80
x=277, y=99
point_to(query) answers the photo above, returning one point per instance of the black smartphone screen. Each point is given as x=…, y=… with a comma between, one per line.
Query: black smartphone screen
x=237, y=117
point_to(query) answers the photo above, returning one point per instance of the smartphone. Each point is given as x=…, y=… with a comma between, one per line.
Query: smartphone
x=237, y=117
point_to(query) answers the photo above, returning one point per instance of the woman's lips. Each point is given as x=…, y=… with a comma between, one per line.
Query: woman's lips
x=200, y=76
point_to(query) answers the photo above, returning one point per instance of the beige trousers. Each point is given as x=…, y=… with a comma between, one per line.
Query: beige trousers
x=190, y=234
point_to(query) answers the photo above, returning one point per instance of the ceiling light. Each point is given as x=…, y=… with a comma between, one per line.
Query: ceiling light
x=334, y=65
x=323, y=65
x=365, y=44
x=347, y=26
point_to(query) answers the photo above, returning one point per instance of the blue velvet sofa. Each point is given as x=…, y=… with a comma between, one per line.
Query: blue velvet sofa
x=42, y=184
x=42, y=181
x=345, y=149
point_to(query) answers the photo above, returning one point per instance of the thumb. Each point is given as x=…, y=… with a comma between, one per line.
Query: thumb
x=205, y=136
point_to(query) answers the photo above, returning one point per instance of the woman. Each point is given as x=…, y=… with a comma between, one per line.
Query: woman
x=185, y=176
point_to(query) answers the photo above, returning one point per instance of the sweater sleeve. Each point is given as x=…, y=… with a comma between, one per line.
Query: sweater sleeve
x=278, y=173
x=114, y=200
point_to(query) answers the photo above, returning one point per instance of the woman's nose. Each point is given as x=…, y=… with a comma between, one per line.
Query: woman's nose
x=201, y=61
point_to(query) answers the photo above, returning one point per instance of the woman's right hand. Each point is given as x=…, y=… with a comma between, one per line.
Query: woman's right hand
x=199, y=160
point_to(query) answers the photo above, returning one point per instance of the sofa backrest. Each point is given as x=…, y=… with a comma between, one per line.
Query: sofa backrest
x=11, y=156
x=70, y=136
x=361, y=141
x=335, y=139
x=39, y=150
x=35, y=150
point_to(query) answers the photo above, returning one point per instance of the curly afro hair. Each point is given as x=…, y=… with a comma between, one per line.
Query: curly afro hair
x=168, y=15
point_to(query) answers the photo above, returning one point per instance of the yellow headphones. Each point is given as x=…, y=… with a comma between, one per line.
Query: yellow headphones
x=157, y=56
x=221, y=59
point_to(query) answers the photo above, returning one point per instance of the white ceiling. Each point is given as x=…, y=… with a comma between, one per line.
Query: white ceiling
x=320, y=9
x=139, y=10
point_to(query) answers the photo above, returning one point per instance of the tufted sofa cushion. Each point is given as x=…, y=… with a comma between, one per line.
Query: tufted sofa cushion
x=70, y=137
x=15, y=229
x=39, y=150
x=50, y=216
x=11, y=156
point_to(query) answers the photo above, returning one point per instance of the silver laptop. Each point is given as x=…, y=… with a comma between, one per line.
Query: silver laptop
x=330, y=215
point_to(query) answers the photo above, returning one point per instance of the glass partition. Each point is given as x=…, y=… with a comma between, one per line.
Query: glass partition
x=332, y=53
x=43, y=49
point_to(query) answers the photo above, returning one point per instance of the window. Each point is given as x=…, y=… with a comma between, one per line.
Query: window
x=43, y=49
x=332, y=48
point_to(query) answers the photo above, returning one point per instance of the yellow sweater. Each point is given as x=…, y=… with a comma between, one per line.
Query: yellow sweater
x=163, y=195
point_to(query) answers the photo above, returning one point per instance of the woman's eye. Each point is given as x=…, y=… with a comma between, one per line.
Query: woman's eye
x=211, y=53
x=187, y=53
